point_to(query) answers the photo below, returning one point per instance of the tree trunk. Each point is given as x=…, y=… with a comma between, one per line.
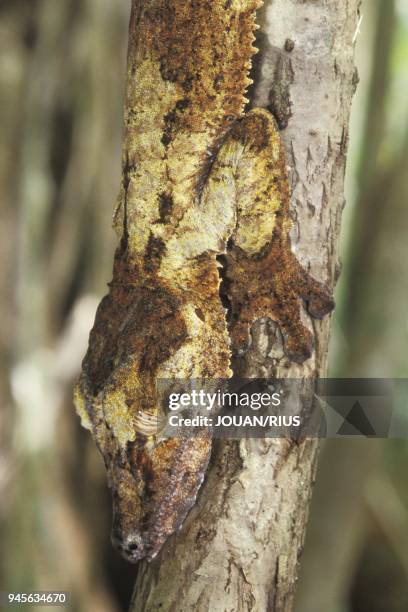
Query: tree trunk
x=239, y=547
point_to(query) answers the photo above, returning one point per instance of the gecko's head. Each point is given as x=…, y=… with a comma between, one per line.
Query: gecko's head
x=131, y=527
x=153, y=488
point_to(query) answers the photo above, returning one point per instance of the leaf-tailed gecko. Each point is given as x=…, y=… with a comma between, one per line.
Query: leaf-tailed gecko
x=201, y=179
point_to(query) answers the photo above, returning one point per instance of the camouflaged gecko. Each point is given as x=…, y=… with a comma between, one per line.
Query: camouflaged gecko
x=201, y=180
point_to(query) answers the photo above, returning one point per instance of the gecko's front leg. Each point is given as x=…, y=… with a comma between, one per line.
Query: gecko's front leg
x=263, y=276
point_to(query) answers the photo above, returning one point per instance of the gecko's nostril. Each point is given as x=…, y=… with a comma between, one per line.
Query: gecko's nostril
x=131, y=546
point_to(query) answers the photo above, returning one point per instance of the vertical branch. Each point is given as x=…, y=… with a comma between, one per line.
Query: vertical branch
x=240, y=545
x=340, y=526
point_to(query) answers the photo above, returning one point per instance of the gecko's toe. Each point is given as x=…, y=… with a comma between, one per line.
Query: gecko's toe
x=298, y=348
x=320, y=304
x=317, y=296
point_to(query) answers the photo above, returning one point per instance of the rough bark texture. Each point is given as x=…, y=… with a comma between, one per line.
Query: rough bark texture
x=340, y=532
x=239, y=548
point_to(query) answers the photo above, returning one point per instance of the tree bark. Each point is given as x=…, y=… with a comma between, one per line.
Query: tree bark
x=239, y=547
x=341, y=524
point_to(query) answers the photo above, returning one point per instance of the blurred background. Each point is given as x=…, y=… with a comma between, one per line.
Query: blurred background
x=62, y=67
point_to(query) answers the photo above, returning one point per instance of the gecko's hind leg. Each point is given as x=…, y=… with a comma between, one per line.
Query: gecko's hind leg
x=263, y=277
x=267, y=287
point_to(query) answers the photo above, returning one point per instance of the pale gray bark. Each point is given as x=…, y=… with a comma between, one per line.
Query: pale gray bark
x=344, y=506
x=240, y=546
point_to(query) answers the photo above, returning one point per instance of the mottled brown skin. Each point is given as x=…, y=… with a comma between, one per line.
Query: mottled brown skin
x=202, y=182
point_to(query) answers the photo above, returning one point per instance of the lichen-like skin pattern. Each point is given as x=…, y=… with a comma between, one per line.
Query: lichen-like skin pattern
x=202, y=182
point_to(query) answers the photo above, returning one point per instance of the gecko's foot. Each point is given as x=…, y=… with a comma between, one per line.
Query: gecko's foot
x=317, y=296
x=298, y=348
x=274, y=286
